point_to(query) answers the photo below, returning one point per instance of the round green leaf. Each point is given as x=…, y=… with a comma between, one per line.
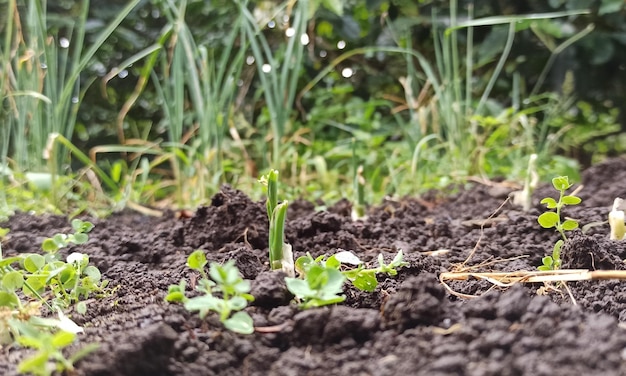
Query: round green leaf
x=13, y=280
x=196, y=260
x=571, y=200
x=49, y=245
x=81, y=308
x=548, y=219
x=8, y=299
x=80, y=238
x=62, y=339
x=561, y=183
x=34, y=262
x=569, y=225
x=365, y=282
x=240, y=322
x=549, y=202
x=93, y=273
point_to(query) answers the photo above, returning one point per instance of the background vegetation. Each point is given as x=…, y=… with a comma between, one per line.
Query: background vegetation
x=157, y=103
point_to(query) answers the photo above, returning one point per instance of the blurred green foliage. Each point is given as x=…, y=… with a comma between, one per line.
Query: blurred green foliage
x=365, y=105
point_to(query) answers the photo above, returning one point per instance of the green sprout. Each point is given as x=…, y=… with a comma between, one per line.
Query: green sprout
x=280, y=254
x=25, y=279
x=224, y=279
x=552, y=219
x=324, y=279
x=616, y=220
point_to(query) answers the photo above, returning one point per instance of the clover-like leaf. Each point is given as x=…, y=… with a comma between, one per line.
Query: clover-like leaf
x=548, y=219
x=571, y=200
x=240, y=322
x=569, y=225
x=549, y=202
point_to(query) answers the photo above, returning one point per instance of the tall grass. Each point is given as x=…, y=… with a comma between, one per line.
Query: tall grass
x=450, y=120
x=279, y=78
x=41, y=87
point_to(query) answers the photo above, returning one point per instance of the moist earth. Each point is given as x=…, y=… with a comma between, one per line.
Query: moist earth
x=411, y=323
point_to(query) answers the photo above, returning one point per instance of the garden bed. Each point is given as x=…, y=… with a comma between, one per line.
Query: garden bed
x=410, y=325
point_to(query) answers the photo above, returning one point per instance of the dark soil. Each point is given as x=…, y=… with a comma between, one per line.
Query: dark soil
x=410, y=325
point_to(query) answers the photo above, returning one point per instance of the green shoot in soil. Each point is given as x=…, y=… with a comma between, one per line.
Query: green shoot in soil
x=281, y=257
x=552, y=219
x=224, y=279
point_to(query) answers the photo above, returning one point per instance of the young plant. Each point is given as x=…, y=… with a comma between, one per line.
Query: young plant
x=323, y=278
x=616, y=220
x=36, y=276
x=49, y=338
x=280, y=253
x=224, y=279
x=322, y=284
x=552, y=219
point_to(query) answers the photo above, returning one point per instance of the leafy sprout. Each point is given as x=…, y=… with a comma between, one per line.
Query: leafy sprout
x=553, y=219
x=224, y=280
x=323, y=278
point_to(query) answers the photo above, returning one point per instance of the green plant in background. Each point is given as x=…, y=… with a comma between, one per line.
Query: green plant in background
x=552, y=219
x=280, y=253
x=323, y=278
x=224, y=279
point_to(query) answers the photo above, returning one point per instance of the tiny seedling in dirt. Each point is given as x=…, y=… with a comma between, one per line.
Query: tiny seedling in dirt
x=280, y=253
x=29, y=281
x=552, y=219
x=223, y=279
x=616, y=220
x=323, y=277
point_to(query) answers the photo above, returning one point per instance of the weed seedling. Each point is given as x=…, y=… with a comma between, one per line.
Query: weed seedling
x=323, y=278
x=552, y=219
x=224, y=279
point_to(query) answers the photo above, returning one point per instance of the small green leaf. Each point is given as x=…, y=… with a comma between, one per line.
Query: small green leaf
x=571, y=200
x=240, y=322
x=81, y=307
x=569, y=225
x=62, y=339
x=549, y=202
x=49, y=245
x=8, y=299
x=547, y=261
x=561, y=183
x=13, y=280
x=237, y=303
x=544, y=268
x=93, y=273
x=34, y=262
x=299, y=287
x=175, y=297
x=548, y=219
x=80, y=238
x=333, y=262
x=197, y=260
x=365, y=282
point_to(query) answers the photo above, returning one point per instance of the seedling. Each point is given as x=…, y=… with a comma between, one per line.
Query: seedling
x=524, y=197
x=36, y=276
x=616, y=221
x=280, y=253
x=224, y=279
x=323, y=278
x=49, y=343
x=552, y=219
